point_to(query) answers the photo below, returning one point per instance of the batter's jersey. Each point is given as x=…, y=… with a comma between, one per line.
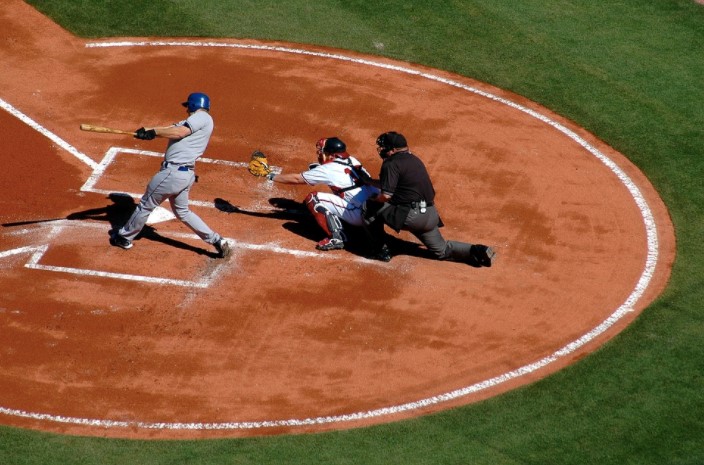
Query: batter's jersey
x=187, y=150
x=339, y=176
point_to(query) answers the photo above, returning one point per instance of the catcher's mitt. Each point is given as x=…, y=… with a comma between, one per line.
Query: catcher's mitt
x=258, y=164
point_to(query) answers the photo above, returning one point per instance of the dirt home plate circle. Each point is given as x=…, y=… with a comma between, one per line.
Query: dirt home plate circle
x=163, y=341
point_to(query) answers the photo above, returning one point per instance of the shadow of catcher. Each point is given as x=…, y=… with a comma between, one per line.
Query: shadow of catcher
x=299, y=221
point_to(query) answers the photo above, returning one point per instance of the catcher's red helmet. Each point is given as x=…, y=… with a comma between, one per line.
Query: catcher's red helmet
x=332, y=146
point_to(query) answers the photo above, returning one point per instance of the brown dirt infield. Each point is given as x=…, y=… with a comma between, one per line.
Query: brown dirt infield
x=162, y=341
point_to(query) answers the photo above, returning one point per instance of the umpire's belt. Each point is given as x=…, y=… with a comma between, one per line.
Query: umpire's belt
x=419, y=204
x=177, y=166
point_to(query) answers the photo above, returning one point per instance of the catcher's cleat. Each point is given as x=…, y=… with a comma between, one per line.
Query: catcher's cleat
x=119, y=241
x=383, y=254
x=222, y=247
x=330, y=243
x=485, y=255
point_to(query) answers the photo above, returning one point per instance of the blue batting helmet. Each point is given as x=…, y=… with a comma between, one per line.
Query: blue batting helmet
x=196, y=101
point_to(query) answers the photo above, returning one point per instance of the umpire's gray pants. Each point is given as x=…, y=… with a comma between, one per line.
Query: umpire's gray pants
x=425, y=227
x=174, y=185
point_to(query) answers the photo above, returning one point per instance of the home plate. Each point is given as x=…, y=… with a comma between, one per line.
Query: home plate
x=159, y=215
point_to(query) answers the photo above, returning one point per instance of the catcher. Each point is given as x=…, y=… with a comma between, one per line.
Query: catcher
x=346, y=178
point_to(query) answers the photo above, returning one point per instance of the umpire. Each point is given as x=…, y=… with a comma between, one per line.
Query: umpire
x=406, y=202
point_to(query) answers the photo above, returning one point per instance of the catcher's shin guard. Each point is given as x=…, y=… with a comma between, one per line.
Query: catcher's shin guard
x=335, y=226
x=330, y=223
x=318, y=211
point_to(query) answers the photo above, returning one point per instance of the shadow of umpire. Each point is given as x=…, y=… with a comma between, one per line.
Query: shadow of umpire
x=298, y=220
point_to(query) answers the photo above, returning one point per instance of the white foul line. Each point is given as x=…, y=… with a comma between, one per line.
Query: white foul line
x=45, y=132
x=620, y=312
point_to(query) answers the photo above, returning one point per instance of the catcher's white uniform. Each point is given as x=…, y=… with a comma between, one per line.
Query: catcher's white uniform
x=347, y=196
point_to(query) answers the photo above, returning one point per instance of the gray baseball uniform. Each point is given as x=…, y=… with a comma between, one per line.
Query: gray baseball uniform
x=174, y=180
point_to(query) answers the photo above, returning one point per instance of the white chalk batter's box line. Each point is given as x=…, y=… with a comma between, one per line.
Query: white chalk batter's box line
x=113, y=152
x=38, y=251
x=161, y=214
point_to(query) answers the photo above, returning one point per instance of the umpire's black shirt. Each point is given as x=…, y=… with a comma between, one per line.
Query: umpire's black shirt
x=404, y=177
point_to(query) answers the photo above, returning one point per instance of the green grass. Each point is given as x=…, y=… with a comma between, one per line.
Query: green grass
x=630, y=71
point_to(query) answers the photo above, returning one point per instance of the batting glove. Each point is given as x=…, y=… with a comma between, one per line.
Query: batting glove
x=144, y=134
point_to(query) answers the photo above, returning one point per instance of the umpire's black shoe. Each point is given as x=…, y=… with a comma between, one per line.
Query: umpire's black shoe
x=222, y=247
x=484, y=255
x=119, y=241
x=383, y=254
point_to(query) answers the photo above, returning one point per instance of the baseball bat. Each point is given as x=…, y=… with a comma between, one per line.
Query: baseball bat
x=91, y=128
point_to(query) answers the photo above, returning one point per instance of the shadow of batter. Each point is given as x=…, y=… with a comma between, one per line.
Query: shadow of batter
x=117, y=214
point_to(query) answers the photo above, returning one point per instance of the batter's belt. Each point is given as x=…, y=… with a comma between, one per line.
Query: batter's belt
x=177, y=166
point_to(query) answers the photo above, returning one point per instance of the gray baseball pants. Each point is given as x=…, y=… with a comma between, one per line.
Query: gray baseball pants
x=172, y=184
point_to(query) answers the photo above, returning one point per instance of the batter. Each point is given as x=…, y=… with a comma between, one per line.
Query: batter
x=188, y=140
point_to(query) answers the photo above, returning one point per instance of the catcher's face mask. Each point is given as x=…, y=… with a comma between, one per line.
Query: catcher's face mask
x=319, y=150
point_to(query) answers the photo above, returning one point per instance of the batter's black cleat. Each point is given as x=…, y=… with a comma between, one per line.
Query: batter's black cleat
x=222, y=247
x=119, y=241
x=483, y=254
x=383, y=254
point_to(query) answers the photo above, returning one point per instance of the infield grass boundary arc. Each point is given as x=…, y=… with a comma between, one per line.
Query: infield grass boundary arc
x=624, y=309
